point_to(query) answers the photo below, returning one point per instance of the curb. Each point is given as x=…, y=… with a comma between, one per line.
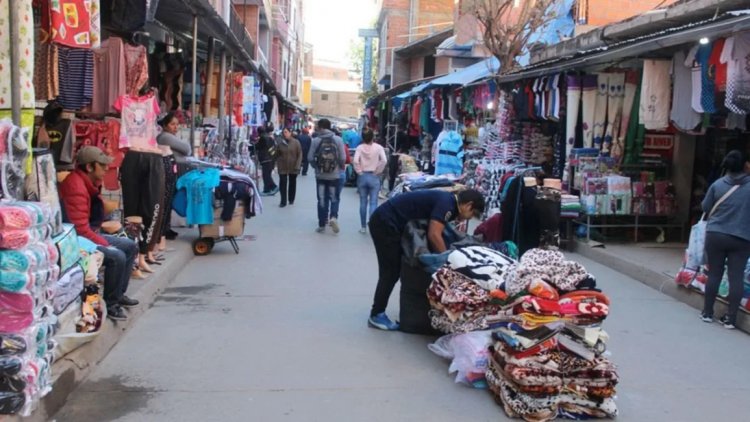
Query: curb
x=72, y=369
x=657, y=281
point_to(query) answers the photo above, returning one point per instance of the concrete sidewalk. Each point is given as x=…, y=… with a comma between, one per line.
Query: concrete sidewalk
x=655, y=265
x=70, y=371
x=279, y=333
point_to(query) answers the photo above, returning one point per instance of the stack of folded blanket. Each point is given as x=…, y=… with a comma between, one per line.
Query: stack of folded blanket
x=460, y=290
x=548, y=342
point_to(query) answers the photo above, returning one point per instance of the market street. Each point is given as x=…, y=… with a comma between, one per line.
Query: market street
x=279, y=333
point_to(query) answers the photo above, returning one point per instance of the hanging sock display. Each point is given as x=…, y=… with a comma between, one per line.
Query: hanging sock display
x=616, y=97
x=600, y=110
x=589, y=86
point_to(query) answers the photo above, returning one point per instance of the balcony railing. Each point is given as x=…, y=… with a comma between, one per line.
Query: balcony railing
x=238, y=29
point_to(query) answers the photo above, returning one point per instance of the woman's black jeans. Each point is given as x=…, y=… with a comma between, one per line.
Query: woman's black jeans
x=723, y=249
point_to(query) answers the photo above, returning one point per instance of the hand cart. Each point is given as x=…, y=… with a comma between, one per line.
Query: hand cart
x=220, y=231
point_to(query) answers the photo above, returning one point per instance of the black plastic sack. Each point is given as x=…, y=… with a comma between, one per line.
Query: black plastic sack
x=414, y=306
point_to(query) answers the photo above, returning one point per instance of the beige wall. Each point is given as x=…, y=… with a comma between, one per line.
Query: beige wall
x=338, y=104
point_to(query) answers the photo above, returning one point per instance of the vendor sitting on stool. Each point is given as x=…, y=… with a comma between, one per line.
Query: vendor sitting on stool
x=387, y=225
x=84, y=208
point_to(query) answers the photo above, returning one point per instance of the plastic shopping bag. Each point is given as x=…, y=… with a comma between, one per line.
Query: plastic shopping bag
x=469, y=353
x=696, y=254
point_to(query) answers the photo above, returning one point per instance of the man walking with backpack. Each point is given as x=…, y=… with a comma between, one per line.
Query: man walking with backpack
x=327, y=157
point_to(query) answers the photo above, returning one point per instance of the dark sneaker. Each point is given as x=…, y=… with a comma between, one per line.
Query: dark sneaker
x=116, y=313
x=706, y=317
x=382, y=322
x=128, y=302
x=727, y=322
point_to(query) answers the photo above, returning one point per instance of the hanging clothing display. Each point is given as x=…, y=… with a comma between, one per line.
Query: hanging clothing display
x=143, y=182
x=736, y=55
x=656, y=95
x=109, y=75
x=136, y=68
x=139, y=116
x=631, y=86
x=683, y=116
x=46, y=71
x=572, y=111
x=589, y=89
x=600, y=108
x=24, y=16
x=70, y=23
x=615, y=99
x=708, y=88
x=450, y=153
x=76, y=77
x=199, y=186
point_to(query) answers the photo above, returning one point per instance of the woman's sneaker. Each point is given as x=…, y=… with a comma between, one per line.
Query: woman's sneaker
x=706, y=317
x=728, y=324
x=334, y=223
x=382, y=322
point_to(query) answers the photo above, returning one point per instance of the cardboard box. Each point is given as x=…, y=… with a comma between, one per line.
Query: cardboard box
x=234, y=228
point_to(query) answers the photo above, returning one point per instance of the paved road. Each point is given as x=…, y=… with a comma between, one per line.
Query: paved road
x=278, y=334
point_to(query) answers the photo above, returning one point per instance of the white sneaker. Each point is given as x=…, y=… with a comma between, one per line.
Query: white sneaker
x=363, y=230
x=320, y=230
x=334, y=225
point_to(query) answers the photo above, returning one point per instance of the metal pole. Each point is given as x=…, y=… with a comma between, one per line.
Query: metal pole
x=193, y=108
x=15, y=54
x=209, y=77
x=222, y=91
x=231, y=100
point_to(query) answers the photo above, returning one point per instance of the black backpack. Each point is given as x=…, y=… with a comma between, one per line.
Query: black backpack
x=327, y=156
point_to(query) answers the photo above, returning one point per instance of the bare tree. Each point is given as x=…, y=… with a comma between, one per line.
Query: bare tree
x=508, y=25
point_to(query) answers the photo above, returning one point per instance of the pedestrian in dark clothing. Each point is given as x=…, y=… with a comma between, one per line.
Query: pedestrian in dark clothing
x=328, y=157
x=266, y=146
x=727, y=205
x=387, y=225
x=289, y=162
x=306, y=142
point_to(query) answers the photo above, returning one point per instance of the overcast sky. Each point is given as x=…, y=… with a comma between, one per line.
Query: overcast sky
x=330, y=25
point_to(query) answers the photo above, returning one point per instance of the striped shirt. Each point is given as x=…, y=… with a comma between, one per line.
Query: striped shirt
x=76, y=67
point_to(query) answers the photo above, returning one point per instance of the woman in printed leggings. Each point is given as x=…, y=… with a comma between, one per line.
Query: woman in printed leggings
x=727, y=205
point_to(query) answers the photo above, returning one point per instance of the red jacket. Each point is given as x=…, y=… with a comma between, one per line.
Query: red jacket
x=78, y=193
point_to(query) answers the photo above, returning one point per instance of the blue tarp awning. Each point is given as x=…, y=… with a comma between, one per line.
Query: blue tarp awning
x=465, y=76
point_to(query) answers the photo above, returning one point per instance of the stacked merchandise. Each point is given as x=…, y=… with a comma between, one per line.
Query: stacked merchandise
x=460, y=291
x=570, y=206
x=508, y=150
x=537, y=148
x=547, y=357
x=485, y=175
x=28, y=278
x=654, y=198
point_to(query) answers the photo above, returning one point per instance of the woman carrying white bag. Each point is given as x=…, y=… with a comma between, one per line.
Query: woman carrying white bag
x=727, y=205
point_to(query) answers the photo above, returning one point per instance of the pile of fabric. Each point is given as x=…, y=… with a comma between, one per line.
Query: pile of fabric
x=28, y=275
x=547, y=357
x=460, y=290
x=570, y=206
x=545, y=314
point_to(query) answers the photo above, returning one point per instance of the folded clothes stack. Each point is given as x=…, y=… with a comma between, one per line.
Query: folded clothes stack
x=548, y=342
x=460, y=290
x=570, y=206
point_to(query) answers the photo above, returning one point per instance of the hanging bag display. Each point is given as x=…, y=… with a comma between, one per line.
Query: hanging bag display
x=695, y=255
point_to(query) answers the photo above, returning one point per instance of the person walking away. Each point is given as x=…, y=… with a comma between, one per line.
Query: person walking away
x=84, y=208
x=727, y=205
x=387, y=225
x=267, y=159
x=305, y=141
x=369, y=163
x=289, y=164
x=177, y=151
x=327, y=156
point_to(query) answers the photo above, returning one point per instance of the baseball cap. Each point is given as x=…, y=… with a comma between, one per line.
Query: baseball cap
x=90, y=154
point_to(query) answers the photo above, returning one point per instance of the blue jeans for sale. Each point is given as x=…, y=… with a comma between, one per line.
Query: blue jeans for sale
x=369, y=187
x=328, y=201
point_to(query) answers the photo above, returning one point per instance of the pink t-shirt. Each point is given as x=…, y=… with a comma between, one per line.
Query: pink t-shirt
x=138, y=122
